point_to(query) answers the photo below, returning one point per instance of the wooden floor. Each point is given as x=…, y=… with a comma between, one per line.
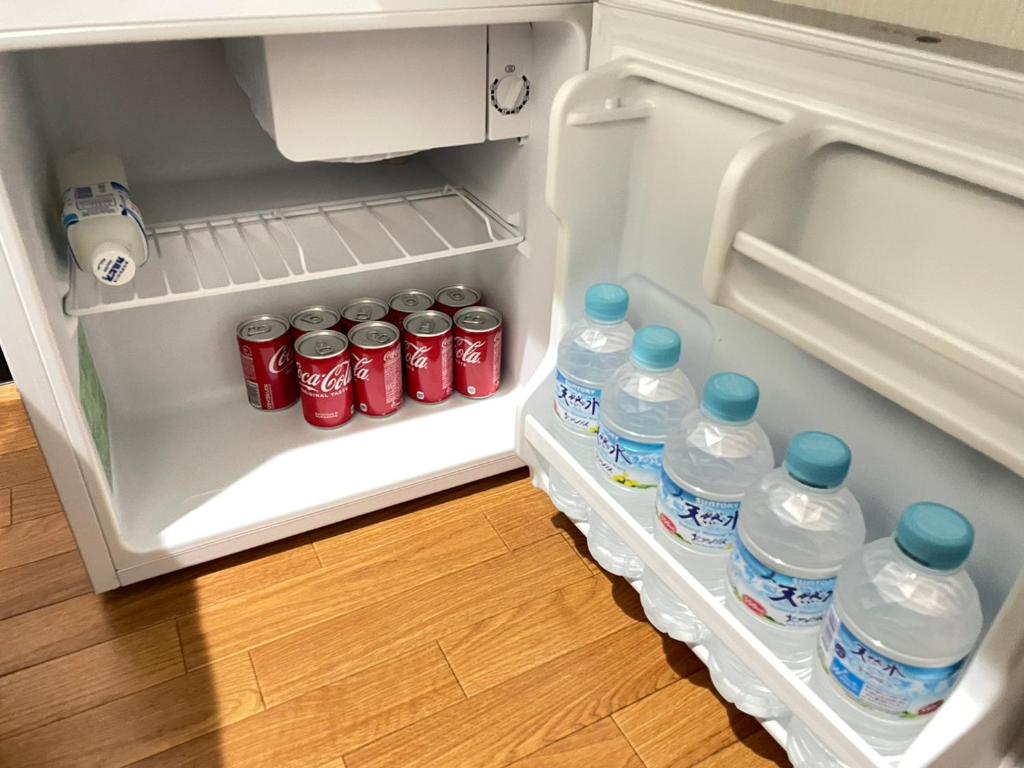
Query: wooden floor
x=466, y=629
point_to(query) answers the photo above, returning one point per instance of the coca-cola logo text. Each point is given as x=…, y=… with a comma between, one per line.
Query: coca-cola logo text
x=335, y=380
x=468, y=352
x=416, y=355
x=281, y=359
x=362, y=368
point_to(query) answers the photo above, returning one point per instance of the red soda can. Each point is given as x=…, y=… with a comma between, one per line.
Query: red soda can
x=325, y=378
x=404, y=303
x=455, y=297
x=376, y=368
x=428, y=356
x=477, y=351
x=315, y=318
x=364, y=310
x=268, y=363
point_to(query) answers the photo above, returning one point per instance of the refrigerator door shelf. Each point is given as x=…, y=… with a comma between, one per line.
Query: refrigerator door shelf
x=766, y=183
x=227, y=254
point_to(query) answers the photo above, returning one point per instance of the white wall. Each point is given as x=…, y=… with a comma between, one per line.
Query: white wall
x=1000, y=22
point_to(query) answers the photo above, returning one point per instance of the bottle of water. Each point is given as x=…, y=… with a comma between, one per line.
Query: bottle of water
x=797, y=526
x=589, y=353
x=897, y=636
x=717, y=454
x=103, y=226
x=643, y=402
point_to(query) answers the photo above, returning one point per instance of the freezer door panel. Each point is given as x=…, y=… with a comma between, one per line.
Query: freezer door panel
x=837, y=217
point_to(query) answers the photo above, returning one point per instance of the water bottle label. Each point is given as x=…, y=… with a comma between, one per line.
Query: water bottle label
x=577, y=406
x=104, y=199
x=776, y=597
x=879, y=683
x=632, y=465
x=699, y=521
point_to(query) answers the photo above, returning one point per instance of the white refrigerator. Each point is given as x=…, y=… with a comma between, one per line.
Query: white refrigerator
x=832, y=206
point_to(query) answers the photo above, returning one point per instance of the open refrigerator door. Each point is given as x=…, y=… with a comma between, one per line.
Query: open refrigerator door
x=806, y=208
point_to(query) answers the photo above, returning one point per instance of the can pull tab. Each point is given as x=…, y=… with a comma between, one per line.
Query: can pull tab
x=324, y=348
x=257, y=329
x=312, y=319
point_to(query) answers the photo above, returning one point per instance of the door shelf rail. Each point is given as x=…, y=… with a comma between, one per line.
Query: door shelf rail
x=227, y=254
x=795, y=694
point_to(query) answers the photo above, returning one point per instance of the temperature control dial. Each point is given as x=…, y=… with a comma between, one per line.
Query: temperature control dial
x=510, y=93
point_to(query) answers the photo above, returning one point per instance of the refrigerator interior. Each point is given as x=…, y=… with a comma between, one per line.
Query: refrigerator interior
x=193, y=471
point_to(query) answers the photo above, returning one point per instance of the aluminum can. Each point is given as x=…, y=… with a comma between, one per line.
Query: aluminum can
x=404, y=303
x=477, y=345
x=325, y=378
x=376, y=368
x=427, y=344
x=362, y=310
x=268, y=362
x=315, y=318
x=455, y=297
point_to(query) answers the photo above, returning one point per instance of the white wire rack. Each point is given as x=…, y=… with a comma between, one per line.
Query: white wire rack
x=206, y=257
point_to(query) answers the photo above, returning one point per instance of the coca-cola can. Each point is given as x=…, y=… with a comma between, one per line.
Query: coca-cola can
x=315, y=318
x=428, y=356
x=364, y=310
x=325, y=378
x=376, y=368
x=268, y=363
x=452, y=298
x=477, y=351
x=404, y=303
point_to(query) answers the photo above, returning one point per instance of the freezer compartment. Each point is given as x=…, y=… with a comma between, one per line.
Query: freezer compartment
x=321, y=97
x=676, y=142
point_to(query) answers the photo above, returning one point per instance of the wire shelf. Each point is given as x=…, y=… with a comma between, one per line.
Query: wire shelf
x=206, y=257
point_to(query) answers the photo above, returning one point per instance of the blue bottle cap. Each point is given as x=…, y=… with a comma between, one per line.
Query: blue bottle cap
x=818, y=459
x=731, y=397
x=935, y=535
x=656, y=348
x=606, y=303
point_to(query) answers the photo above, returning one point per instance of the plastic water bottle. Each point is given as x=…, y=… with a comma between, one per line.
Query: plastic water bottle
x=717, y=454
x=643, y=402
x=590, y=352
x=797, y=526
x=103, y=226
x=897, y=636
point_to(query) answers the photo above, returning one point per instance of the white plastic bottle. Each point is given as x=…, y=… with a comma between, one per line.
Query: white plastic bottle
x=103, y=226
x=896, y=639
x=643, y=402
x=709, y=463
x=590, y=352
x=797, y=526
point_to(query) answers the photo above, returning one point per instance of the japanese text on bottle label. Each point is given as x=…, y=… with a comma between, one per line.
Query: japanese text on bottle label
x=577, y=406
x=633, y=465
x=700, y=522
x=774, y=596
x=877, y=682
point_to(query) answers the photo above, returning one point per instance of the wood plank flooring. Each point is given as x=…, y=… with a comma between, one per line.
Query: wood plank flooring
x=465, y=629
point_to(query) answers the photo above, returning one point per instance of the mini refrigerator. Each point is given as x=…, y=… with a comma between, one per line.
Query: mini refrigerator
x=832, y=206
